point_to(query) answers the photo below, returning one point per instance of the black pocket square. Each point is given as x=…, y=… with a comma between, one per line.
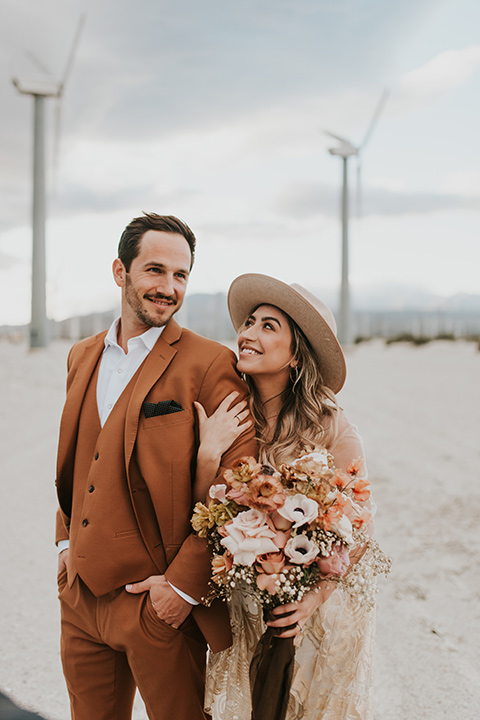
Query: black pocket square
x=164, y=407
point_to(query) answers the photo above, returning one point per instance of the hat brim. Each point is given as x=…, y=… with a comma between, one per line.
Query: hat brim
x=249, y=291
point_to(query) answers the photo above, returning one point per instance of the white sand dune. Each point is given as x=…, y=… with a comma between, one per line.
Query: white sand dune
x=418, y=410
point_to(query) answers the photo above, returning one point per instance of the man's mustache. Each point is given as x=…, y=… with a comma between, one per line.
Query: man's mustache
x=161, y=296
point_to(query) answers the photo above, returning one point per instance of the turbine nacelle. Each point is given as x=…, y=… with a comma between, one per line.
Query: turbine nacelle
x=38, y=86
x=345, y=150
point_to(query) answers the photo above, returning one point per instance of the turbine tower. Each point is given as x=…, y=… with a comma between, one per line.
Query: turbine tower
x=346, y=150
x=41, y=88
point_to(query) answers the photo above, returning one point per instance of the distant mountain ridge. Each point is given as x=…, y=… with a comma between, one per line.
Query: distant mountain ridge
x=378, y=311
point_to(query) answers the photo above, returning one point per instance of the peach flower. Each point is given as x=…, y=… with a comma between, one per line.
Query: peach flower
x=362, y=518
x=271, y=563
x=238, y=496
x=340, y=480
x=361, y=489
x=315, y=463
x=221, y=564
x=355, y=467
x=241, y=472
x=265, y=492
x=281, y=523
x=281, y=538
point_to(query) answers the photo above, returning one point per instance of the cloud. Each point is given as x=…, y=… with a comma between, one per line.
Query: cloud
x=445, y=72
x=466, y=182
x=311, y=199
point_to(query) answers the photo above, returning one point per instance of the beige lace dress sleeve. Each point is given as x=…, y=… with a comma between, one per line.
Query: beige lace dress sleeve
x=333, y=676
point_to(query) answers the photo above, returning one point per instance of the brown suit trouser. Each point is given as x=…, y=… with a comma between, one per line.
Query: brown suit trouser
x=114, y=643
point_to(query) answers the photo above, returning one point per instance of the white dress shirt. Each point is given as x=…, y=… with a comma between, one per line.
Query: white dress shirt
x=115, y=372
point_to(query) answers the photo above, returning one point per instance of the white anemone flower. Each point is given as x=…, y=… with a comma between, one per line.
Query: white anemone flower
x=299, y=510
x=301, y=550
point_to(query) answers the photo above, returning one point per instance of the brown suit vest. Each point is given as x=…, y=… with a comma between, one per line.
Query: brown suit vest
x=106, y=548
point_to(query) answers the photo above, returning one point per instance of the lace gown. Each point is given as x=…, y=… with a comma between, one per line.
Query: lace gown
x=333, y=675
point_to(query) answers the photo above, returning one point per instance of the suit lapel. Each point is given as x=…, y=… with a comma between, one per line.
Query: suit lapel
x=152, y=369
x=74, y=400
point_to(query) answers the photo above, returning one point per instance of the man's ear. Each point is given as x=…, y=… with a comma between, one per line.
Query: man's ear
x=119, y=272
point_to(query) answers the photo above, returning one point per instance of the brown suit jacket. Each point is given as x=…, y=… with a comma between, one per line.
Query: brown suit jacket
x=160, y=452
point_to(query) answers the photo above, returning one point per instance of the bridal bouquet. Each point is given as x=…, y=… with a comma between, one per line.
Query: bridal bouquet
x=279, y=532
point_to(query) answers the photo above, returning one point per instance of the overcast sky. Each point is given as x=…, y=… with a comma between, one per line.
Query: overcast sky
x=215, y=111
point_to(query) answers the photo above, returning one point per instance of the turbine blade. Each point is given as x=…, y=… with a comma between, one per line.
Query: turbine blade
x=337, y=137
x=73, y=50
x=37, y=62
x=376, y=115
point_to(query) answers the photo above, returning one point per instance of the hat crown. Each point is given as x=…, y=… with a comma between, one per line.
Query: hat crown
x=319, y=306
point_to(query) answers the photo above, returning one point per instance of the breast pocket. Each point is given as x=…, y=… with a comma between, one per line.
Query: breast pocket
x=158, y=421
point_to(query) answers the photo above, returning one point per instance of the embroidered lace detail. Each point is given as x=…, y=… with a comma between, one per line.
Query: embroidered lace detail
x=333, y=677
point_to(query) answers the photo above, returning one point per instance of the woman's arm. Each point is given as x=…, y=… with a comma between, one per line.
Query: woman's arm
x=217, y=433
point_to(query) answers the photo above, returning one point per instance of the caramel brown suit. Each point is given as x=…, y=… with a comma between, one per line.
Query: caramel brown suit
x=125, y=495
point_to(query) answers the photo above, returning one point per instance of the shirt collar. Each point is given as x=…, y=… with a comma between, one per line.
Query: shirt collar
x=148, y=338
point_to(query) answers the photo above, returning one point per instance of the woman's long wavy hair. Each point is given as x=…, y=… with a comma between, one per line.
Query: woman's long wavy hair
x=308, y=417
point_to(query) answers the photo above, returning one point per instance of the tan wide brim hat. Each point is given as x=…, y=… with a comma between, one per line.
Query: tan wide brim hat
x=312, y=316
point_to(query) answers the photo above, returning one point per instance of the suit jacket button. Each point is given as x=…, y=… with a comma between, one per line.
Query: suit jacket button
x=85, y=522
x=91, y=489
x=96, y=456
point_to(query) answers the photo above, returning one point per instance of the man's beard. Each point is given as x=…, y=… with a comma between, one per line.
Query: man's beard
x=140, y=311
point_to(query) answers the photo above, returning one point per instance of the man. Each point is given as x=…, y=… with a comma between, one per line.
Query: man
x=132, y=575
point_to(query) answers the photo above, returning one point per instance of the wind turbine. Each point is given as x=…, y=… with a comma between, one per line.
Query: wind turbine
x=346, y=150
x=40, y=88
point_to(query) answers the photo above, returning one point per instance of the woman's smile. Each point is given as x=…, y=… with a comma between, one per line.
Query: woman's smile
x=264, y=344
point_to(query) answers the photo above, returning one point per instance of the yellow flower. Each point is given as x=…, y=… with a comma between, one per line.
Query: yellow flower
x=202, y=519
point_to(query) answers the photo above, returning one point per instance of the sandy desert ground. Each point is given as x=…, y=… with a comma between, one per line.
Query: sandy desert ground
x=418, y=409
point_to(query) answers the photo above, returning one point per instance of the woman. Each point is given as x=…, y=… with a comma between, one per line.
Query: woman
x=293, y=365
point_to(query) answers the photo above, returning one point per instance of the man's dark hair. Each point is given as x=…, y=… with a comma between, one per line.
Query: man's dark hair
x=129, y=245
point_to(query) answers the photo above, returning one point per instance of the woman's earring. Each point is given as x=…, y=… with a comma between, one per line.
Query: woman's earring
x=294, y=376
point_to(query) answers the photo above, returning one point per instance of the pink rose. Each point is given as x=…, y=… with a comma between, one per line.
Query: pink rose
x=247, y=536
x=245, y=550
x=337, y=563
x=253, y=523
